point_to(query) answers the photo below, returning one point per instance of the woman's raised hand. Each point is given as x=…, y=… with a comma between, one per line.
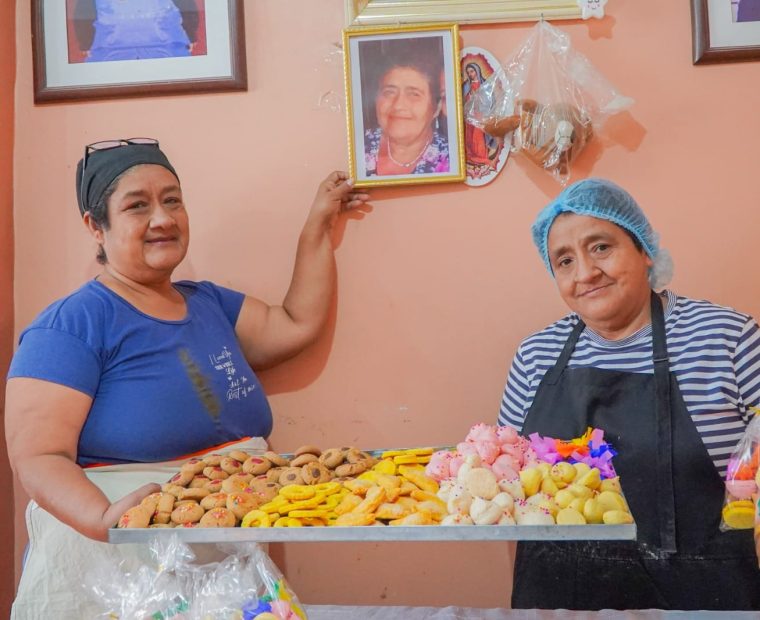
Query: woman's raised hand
x=335, y=194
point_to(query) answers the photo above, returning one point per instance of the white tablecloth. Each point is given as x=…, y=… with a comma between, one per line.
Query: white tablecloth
x=337, y=612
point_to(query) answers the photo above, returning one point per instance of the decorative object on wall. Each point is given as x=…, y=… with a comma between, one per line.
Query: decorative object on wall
x=92, y=49
x=592, y=8
x=725, y=31
x=404, y=104
x=485, y=155
x=376, y=12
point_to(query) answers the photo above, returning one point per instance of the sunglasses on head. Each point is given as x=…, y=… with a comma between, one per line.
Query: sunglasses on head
x=107, y=145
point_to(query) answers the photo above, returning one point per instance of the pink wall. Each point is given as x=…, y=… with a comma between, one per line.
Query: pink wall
x=7, y=77
x=437, y=285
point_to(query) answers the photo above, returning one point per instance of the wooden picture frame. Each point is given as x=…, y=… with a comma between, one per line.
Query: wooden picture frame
x=386, y=12
x=717, y=36
x=188, y=46
x=404, y=104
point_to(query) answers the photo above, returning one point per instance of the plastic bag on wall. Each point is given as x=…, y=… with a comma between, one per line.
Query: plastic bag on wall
x=550, y=96
x=245, y=585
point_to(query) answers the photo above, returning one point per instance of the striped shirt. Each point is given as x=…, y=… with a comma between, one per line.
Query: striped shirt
x=714, y=352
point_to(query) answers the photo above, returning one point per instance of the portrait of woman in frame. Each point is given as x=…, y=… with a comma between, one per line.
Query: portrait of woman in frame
x=404, y=105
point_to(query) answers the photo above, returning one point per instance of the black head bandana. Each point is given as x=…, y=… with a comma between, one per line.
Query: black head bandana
x=105, y=165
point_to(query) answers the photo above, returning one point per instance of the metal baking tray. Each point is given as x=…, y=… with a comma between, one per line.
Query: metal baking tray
x=375, y=533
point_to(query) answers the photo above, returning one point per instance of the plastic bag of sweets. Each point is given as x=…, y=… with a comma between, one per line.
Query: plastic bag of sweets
x=549, y=98
x=246, y=585
x=742, y=480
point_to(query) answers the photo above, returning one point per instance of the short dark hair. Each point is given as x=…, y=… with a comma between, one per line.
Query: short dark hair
x=424, y=55
x=99, y=214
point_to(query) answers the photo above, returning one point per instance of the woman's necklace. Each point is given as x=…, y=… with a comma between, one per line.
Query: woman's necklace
x=411, y=163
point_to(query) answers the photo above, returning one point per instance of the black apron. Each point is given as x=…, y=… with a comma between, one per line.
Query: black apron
x=680, y=559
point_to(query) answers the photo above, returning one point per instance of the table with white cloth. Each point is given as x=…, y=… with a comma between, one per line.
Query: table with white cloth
x=337, y=612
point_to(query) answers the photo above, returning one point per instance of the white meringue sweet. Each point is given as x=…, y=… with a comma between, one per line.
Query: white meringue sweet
x=485, y=512
x=459, y=500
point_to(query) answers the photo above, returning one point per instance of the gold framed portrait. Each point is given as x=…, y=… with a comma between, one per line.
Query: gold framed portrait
x=404, y=105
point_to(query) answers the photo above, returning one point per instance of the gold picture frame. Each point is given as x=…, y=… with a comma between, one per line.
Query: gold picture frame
x=377, y=12
x=404, y=105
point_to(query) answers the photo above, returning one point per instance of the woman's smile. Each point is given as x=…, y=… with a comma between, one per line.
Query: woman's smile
x=162, y=240
x=596, y=291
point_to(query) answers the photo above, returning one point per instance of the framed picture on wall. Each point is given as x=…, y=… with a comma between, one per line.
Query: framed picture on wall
x=404, y=105
x=93, y=49
x=377, y=12
x=725, y=30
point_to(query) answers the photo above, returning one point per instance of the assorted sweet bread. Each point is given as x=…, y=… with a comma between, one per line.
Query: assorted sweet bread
x=493, y=477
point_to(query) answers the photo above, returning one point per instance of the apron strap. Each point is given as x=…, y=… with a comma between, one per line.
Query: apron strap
x=665, y=492
x=554, y=373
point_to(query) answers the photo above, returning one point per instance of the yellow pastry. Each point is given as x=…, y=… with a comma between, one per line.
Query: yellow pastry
x=256, y=518
x=531, y=477
x=739, y=515
x=617, y=517
x=570, y=516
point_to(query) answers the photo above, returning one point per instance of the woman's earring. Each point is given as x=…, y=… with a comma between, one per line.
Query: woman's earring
x=437, y=126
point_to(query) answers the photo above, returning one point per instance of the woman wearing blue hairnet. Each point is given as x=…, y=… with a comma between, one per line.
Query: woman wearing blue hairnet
x=670, y=380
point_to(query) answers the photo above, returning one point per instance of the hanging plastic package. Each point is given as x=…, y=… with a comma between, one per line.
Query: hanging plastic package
x=550, y=97
x=742, y=475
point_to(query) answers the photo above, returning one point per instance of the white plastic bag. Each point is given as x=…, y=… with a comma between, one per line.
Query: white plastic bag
x=551, y=98
x=245, y=585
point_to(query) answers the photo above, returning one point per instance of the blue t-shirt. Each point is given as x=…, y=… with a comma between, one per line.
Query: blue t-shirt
x=160, y=389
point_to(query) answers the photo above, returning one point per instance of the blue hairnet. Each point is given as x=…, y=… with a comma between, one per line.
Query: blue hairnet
x=604, y=200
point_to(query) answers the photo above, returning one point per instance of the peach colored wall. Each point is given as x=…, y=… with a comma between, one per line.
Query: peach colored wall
x=7, y=78
x=437, y=284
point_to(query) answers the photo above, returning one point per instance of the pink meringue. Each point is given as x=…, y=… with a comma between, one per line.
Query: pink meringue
x=455, y=463
x=506, y=435
x=487, y=451
x=505, y=467
x=515, y=452
x=482, y=432
x=466, y=448
x=439, y=466
x=530, y=458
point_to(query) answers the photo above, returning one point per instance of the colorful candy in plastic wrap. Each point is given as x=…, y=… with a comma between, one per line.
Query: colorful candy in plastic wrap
x=246, y=585
x=742, y=480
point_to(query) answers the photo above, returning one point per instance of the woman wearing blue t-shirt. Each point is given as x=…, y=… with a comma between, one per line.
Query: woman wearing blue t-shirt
x=133, y=367
x=670, y=380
